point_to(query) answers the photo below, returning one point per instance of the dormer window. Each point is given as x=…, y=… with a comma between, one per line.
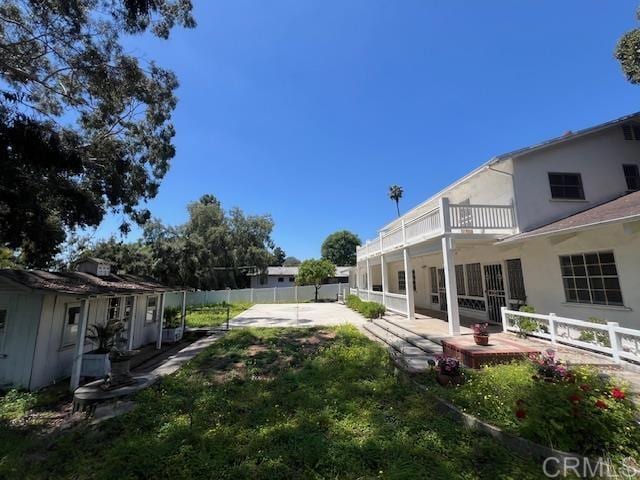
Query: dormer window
x=631, y=132
x=566, y=186
x=632, y=176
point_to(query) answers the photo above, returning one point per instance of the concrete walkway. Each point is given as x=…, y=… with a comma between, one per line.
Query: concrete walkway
x=297, y=315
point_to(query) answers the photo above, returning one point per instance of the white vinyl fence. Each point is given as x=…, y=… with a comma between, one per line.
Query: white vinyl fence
x=260, y=295
x=608, y=338
x=395, y=302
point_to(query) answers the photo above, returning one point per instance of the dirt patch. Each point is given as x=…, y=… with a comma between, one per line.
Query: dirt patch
x=255, y=350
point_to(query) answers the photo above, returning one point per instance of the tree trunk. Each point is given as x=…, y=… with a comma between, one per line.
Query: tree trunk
x=398, y=207
x=317, y=288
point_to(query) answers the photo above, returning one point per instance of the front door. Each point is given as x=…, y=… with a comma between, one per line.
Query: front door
x=442, y=290
x=494, y=286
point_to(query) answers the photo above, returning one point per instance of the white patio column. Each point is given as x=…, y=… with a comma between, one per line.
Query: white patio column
x=76, y=369
x=160, y=322
x=453, y=315
x=184, y=310
x=132, y=323
x=408, y=283
x=358, y=279
x=383, y=272
x=369, y=288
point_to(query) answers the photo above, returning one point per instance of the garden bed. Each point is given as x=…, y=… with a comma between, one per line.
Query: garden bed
x=272, y=403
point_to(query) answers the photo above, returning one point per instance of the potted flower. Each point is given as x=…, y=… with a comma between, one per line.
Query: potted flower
x=481, y=333
x=448, y=371
x=96, y=363
x=172, y=329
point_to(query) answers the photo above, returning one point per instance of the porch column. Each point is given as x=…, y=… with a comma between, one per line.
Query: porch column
x=358, y=279
x=184, y=308
x=160, y=322
x=408, y=282
x=132, y=323
x=453, y=315
x=383, y=272
x=369, y=288
x=76, y=369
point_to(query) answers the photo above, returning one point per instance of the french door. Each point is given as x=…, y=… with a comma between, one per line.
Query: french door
x=494, y=287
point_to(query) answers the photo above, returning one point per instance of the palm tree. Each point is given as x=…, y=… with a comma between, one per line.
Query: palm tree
x=395, y=194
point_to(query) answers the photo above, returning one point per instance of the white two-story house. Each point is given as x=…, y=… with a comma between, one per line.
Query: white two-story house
x=555, y=225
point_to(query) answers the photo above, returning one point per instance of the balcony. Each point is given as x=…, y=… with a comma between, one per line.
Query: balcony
x=487, y=220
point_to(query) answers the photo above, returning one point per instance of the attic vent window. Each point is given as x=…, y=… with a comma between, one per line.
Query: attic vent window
x=631, y=132
x=632, y=176
x=566, y=186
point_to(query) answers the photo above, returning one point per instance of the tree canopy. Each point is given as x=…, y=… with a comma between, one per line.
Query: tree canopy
x=85, y=128
x=291, y=262
x=340, y=248
x=628, y=53
x=314, y=272
x=279, y=257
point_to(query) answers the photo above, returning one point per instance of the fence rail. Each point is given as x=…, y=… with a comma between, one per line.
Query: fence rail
x=392, y=301
x=259, y=295
x=607, y=338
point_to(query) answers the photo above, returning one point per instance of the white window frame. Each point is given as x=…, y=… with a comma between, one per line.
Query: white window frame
x=146, y=310
x=64, y=341
x=120, y=307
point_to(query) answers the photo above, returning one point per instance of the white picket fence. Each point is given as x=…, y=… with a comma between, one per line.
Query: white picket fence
x=608, y=338
x=260, y=295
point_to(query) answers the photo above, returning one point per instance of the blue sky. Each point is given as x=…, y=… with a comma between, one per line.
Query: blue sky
x=310, y=110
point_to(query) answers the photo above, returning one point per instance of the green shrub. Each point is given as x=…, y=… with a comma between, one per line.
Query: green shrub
x=528, y=325
x=583, y=412
x=598, y=337
x=172, y=317
x=15, y=404
x=366, y=309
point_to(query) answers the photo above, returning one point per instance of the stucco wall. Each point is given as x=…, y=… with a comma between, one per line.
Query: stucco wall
x=597, y=157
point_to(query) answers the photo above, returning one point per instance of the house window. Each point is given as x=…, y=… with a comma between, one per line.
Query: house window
x=516, y=280
x=402, y=281
x=434, y=280
x=591, y=278
x=631, y=132
x=280, y=279
x=460, y=280
x=566, y=186
x=71, y=321
x=413, y=278
x=632, y=176
x=151, y=313
x=113, y=311
x=474, y=280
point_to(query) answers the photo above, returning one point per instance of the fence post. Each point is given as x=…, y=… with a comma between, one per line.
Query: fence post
x=228, y=295
x=251, y=294
x=296, y=293
x=613, y=339
x=552, y=327
x=274, y=294
x=503, y=314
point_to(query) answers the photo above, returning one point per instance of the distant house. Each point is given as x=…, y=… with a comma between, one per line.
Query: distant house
x=276, y=277
x=44, y=317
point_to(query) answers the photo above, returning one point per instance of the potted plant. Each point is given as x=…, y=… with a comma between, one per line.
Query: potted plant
x=172, y=330
x=448, y=371
x=481, y=333
x=96, y=363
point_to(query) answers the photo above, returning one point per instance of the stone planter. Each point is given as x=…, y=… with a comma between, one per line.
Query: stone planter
x=481, y=339
x=172, y=335
x=95, y=365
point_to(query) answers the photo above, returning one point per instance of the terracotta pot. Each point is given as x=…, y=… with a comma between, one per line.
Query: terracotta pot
x=448, y=380
x=481, y=339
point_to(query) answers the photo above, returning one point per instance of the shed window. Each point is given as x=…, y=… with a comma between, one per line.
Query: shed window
x=3, y=326
x=71, y=321
x=292, y=279
x=113, y=311
x=591, y=278
x=280, y=279
x=632, y=176
x=566, y=186
x=151, y=314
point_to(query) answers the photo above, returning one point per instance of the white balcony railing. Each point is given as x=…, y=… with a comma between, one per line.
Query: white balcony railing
x=447, y=218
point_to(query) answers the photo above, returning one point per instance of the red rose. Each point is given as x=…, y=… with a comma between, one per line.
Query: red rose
x=520, y=414
x=601, y=405
x=617, y=394
x=575, y=398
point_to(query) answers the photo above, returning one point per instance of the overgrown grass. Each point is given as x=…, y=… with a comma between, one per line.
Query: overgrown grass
x=583, y=413
x=273, y=404
x=213, y=315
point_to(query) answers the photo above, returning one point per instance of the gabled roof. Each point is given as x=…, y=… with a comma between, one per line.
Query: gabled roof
x=622, y=209
x=82, y=284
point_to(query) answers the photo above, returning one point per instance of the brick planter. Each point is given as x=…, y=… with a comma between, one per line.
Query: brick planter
x=499, y=350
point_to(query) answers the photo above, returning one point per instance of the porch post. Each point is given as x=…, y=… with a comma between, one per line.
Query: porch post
x=76, y=369
x=383, y=271
x=132, y=323
x=160, y=322
x=453, y=315
x=408, y=282
x=184, y=310
x=368, y=280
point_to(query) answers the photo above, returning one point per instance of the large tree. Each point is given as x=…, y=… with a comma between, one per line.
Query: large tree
x=279, y=256
x=315, y=272
x=85, y=128
x=628, y=53
x=340, y=248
